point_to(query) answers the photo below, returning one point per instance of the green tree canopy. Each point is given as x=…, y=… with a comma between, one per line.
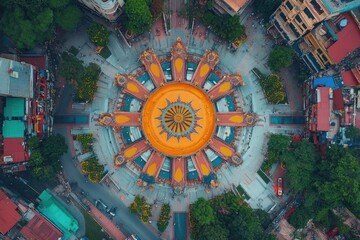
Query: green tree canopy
x=280, y=57
x=68, y=17
x=278, y=147
x=88, y=86
x=202, y=212
x=266, y=8
x=31, y=22
x=58, y=3
x=98, y=35
x=352, y=132
x=227, y=27
x=33, y=143
x=303, y=157
x=139, y=16
x=214, y=232
x=71, y=68
x=54, y=147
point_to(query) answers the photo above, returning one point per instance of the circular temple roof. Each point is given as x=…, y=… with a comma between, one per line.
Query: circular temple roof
x=178, y=119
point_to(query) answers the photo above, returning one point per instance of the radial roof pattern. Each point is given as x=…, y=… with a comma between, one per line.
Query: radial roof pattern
x=170, y=119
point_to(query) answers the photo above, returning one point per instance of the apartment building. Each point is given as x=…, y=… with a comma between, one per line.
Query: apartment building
x=109, y=9
x=231, y=7
x=294, y=18
x=331, y=41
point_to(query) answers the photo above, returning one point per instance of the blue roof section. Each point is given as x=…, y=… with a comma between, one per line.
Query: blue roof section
x=16, y=79
x=329, y=81
x=216, y=162
x=140, y=162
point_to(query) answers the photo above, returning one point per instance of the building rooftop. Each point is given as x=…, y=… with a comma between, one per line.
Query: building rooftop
x=348, y=39
x=235, y=4
x=14, y=148
x=323, y=108
x=335, y=6
x=8, y=214
x=15, y=107
x=57, y=214
x=349, y=79
x=16, y=79
x=38, y=61
x=13, y=129
x=40, y=229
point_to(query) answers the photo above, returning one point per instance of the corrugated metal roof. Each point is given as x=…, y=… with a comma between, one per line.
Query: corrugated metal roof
x=39, y=228
x=16, y=79
x=349, y=40
x=57, y=214
x=323, y=109
x=15, y=107
x=8, y=214
x=14, y=147
x=13, y=129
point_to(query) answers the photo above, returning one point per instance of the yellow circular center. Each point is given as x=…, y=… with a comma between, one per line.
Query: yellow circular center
x=192, y=121
x=178, y=118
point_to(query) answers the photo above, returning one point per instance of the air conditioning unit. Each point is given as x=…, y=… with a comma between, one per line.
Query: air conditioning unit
x=8, y=159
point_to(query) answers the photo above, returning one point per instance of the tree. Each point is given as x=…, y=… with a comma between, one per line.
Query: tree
x=214, y=232
x=36, y=158
x=54, y=147
x=88, y=86
x=164, y=218
x=352, y=132
x=280, y=57
x=273, y=88
x=71, y=68
x=139, y=16
x=98, y=35
x=202, y=212
x=266, y=8
x=68, y=18
x=300, y=164
x=227, y=27
x=58, y=3
x=278, y=147
x=94, y=170
x=33, y=143
x=156, y=8
x=31, y=22
x=145, y=213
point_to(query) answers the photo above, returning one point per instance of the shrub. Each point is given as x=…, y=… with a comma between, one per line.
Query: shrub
x=164, y=218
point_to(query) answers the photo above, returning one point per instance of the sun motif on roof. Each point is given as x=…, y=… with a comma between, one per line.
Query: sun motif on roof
x=177, y=119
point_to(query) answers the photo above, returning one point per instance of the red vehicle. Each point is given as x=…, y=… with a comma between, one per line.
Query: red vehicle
x=279, y=187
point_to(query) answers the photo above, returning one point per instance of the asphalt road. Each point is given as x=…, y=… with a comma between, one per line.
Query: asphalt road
x=127, y=222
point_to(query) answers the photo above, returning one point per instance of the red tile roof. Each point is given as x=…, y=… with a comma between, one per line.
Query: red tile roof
x=38, y=228
x=323, y=109
x=8, y=214
x=338, y=99
x=349, y=79
x=14, y=147
x=38, y=61
x=349, y=40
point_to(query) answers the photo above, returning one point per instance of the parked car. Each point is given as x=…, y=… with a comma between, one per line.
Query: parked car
x=112, y=212
x=280, y=187
x=132, y=237
x=101, y=205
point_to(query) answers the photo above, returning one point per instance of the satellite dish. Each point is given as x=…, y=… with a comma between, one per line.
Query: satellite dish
x=343, y=23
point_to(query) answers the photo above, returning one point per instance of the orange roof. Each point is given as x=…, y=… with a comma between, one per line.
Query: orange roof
x=235, y=4
x=39, y=228
x=8, y=214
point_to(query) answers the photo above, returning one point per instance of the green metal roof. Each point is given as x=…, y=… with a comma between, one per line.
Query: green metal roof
x=15, y=107
x=13, y=129
x=53, y=210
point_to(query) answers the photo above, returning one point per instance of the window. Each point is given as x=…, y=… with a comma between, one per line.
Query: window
x=294, y=30
x=282, y=15
x=298, y=19
x=289, y=5
x=308, y=13
x=317, y=7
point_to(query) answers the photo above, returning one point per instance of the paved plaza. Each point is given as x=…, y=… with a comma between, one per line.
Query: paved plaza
x=250, y=142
